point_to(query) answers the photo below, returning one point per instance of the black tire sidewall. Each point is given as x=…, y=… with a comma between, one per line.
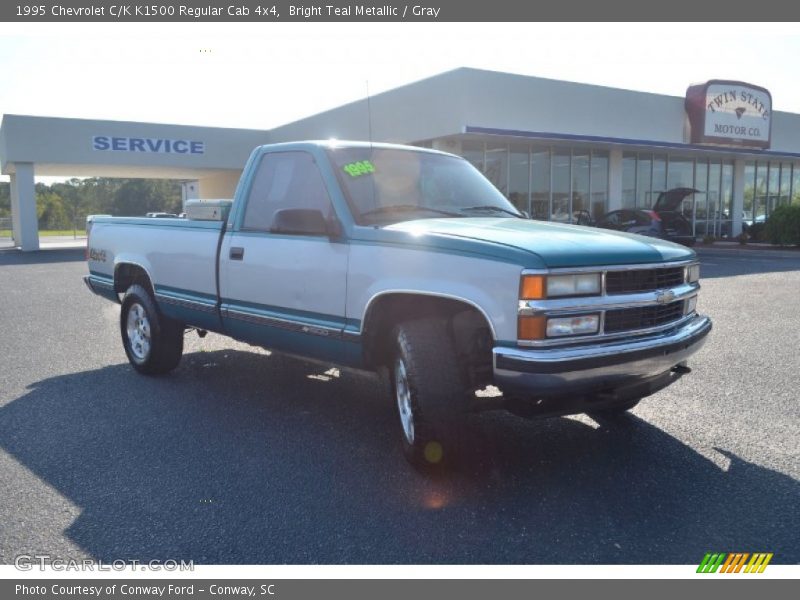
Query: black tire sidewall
x=166, y=337
x=436, y=390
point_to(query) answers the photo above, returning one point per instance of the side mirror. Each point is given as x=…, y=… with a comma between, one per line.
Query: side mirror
x=304, y=221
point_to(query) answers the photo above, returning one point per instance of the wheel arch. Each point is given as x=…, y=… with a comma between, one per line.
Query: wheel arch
x=469, y=323
x=128, y=273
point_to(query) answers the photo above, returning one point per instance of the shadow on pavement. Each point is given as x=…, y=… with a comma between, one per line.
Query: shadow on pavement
x=245, y=458
x=716, y=263
x=13, y=256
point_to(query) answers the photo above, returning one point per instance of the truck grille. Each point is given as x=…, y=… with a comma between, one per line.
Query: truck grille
x=643, y=317
x=642, y=280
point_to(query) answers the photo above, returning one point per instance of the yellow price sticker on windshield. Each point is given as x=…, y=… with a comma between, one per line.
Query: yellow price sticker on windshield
x=356, y=169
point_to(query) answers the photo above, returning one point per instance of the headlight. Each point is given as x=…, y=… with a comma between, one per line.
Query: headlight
x=538, y=287
x=581, y=325
x=692, y=273
x=586, y=284
x=540, y=327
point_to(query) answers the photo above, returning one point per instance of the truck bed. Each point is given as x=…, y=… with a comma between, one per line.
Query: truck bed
x=179, y=256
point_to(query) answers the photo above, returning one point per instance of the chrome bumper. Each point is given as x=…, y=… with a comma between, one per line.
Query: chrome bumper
x=596, y=368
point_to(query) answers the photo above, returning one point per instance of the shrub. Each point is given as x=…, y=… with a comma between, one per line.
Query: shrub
x=709, y=239
x=743, y=238
x=783, y=226
x=756, y=232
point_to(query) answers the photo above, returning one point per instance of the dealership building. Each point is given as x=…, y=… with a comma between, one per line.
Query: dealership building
x=556, y=149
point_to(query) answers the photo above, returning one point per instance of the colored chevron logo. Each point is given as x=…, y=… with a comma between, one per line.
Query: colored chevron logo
x=734, y=562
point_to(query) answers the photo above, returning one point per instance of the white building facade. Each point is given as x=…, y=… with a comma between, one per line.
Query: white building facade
x=556, y=149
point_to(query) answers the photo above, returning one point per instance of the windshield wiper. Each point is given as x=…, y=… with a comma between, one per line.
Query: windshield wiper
x=489, y=207
x=400, y=208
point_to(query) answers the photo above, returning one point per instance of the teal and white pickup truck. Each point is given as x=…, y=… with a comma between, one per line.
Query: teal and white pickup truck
x=407, y=262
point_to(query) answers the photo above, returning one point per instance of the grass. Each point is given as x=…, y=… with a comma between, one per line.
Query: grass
x=49, y=233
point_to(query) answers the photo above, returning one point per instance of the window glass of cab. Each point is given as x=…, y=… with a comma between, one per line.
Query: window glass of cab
x=284, y=180
x=396, y=184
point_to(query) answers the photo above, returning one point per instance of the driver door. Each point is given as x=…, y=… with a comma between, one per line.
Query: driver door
x=280, y=290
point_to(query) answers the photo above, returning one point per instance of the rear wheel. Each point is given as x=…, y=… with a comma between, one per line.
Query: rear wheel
x=152, y=342
x=429, y=391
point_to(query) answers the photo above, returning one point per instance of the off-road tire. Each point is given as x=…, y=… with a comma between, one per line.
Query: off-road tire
x=425, y=358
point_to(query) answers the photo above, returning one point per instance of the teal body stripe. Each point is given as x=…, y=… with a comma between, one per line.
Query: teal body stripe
x=157, y=222
x=297, y=316
x=199, y=297
x=101, y=276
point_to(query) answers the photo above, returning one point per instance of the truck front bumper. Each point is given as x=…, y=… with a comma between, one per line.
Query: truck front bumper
x=600, y=368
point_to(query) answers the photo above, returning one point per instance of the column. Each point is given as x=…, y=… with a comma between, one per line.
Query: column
x=738, y=197
x=16, y=232
x=614, y=179
x=23, y=207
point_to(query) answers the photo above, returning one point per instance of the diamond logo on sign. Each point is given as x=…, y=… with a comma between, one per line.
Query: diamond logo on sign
x=740, y=111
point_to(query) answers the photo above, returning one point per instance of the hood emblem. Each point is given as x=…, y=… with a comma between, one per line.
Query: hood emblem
x=665, y=296
x=740, y=111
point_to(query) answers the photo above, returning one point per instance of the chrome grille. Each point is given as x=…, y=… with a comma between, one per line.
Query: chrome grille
x=642, y=280
x=642, y=317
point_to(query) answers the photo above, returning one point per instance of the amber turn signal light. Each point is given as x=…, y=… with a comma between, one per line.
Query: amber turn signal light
x=532, y=287
x=531, y=328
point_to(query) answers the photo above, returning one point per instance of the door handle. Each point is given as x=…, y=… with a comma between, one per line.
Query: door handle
x=237, y=253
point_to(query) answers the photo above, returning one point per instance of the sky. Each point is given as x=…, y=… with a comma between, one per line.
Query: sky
x=260, y=75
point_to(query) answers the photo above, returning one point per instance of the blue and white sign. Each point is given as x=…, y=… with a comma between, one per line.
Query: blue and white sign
x=153, y=145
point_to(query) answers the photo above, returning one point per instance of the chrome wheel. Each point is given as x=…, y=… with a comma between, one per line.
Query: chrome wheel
x=403, y=395
x=138, y=330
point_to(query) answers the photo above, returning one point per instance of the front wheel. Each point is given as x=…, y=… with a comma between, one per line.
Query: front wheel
x=152, y=342
x=430, y=393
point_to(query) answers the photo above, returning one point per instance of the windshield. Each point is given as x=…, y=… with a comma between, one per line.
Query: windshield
x=387, y=185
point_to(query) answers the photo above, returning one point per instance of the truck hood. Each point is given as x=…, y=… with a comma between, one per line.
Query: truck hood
x=533, y=244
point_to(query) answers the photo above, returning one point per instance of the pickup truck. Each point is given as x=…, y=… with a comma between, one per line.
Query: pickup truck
x=408, y=262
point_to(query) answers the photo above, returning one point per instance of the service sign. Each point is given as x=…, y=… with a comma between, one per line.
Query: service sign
x=153, y=145
x=730, y=113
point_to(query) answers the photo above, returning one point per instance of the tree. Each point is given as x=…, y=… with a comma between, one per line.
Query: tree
x=65, y=205
x=50, y=210
x=5, y=199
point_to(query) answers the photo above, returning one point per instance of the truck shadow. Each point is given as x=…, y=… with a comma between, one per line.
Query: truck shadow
x=13, y=256
x=241, y=458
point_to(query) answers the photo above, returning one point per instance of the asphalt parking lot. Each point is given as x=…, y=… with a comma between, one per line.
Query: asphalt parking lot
x=244, y=457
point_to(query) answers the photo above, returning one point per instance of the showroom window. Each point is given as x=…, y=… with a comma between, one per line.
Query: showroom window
x=795, y=191
x=519, y=189
x=569, y=185
x=768, y=185
x=540, y=183
x=629, y=180
x=645, y=175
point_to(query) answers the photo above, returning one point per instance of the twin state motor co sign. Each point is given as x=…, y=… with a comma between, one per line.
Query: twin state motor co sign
x=730, y=113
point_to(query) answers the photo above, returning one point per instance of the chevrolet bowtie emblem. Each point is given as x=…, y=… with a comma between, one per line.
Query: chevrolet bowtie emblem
x=665, y=296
